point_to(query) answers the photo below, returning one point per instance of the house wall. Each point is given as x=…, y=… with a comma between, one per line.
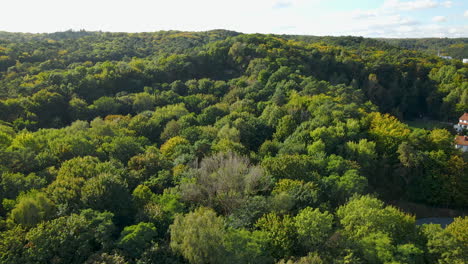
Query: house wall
x=460, y=127
x=462, y=148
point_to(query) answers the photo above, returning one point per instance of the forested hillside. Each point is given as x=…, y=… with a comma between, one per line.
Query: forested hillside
x=456, y=48
x=221, y=147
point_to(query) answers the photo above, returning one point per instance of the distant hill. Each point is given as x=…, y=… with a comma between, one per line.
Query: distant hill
x=344, y=41
x=454, y=47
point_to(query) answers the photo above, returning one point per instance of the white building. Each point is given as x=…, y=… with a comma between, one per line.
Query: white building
x=461, y=142
x=462, y=123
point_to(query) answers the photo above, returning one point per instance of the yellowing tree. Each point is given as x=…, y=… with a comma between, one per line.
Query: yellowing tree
x=387, y=131
x=168, y=149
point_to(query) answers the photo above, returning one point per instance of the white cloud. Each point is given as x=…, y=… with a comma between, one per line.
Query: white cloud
x=398, y=5
x=418, y=31
x=466, y=13
x=142, y=15
x=279, y=4
x=392, y=20
x=447, y=4
x=439, y=19
x=363, y=14
x=282, y=4
x=409, y=6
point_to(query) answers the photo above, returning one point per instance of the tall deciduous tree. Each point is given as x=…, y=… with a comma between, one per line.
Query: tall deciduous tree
x=198, y=236
x=224, y=182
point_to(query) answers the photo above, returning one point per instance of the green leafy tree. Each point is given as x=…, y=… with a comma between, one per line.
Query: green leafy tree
x=66, y=189
x=313, y=227
x=110, y=193
x=388, y=132
x=459, y=229
x=247, y=247
x=123, y=148
x=78, y=109
x=32, y=209
x=295, y=167
x=106, y=258
x=345, y=186
x=281, y=234
x=285, y=128
x=143, y=102
x=12, y=184
x=12, y=243
x=198, y=236
x=49, y=106
x=447, y=245
x=170, y=147
x=377, y=248
x=303, y=194
x=442, y=246
x=311, y=258
x=149, y=162
x=105, y=106
x=364, y=214
x=363, y=152
x=136, y=238
x=69, y=239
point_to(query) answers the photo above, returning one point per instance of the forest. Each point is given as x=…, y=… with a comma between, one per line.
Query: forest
x=453, y=47
x=222, y=147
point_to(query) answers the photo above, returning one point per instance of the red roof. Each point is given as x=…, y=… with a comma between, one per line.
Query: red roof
x=464, y=117
x=461, y=140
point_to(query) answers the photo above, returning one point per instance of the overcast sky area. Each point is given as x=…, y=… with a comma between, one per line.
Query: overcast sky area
x=369, y=18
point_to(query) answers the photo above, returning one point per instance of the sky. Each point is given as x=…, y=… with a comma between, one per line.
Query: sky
x=368, y=18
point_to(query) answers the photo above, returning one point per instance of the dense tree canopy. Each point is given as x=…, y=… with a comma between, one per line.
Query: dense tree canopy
x=222, y=147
